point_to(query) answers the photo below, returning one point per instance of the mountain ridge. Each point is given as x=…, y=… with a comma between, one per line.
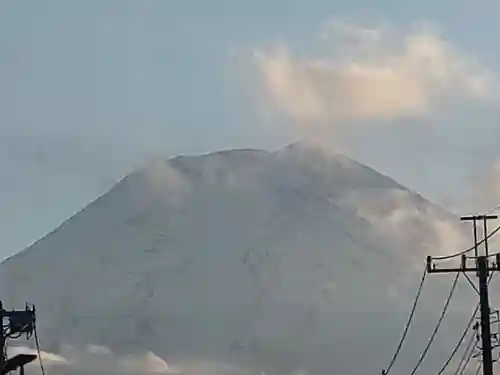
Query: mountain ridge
x=235, y=256
x=175, y=159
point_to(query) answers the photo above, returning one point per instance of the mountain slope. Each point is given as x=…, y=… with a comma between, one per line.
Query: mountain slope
x=278, y=261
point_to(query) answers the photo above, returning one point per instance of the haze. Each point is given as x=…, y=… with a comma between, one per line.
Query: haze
x=91, y=90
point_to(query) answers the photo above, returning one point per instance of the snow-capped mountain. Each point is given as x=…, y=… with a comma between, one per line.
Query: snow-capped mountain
x=294, y=260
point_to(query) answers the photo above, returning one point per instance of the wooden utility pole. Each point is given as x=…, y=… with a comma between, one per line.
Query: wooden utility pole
x=482, y=268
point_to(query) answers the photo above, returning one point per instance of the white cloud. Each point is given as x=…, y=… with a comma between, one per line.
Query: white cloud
x=97, y=359
x=165, y=179
x=48, y=359
x=99, y=350
x=407, y=226
x=377, y=74
x=161, y=174
x=203, y=367
x=399, y=219
x=150, y=363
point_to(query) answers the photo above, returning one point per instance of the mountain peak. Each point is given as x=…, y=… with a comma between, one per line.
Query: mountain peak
x=239, y=255
x=316, y=152
x=309, y=147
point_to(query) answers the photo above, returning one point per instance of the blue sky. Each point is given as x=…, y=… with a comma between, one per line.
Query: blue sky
x=91, y=89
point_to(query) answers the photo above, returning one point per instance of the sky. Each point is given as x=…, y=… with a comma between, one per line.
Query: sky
x=91, y=90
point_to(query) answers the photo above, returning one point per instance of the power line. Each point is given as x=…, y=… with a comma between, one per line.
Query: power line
x=460, y=341
x=496, y=208
x=443, y=257
x=431, y=339
x=468, y=354
x=466, y=357
x=492, y=210
x=436, y=329
x=407, y=327
x=462, y=337
x=487, y=256
x=483, y=270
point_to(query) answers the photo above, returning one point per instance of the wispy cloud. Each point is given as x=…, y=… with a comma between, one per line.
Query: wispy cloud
x=96, y=360
x=399, y=217
x=165, y=179
x=373, y=74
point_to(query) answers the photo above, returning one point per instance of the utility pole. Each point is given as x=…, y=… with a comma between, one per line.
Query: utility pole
x=482, y=268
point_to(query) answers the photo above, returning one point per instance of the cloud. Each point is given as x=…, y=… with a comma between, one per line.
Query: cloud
x=164, y=179
x=99, y=350
x=377, y=74
x=161, y=174
x=49, y=359
x=95, y=359
x=150, y=363
x=98, y=360
x=398, y=217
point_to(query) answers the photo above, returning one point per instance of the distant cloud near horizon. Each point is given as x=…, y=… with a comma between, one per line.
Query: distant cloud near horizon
x=376, y=74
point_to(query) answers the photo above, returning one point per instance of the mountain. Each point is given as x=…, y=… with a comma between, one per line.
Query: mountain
x=293, y=260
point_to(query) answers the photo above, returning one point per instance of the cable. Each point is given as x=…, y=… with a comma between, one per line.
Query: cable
x=493, y=209
x=487, y=256
x=467, y=361
x=478, y=369
x=464, y=333
x=460, y=341
x=443, y=257
x=496, y=208
x=466, y=357
x=431, y=339
x=38, y=350
x=462, y=337
x=407, y=327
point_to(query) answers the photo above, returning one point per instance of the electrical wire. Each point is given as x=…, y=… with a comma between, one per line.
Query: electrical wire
x=496, y=208
x=466, y=357
x=460, y=341
x=467, y=361
x=443, y=257
x=493, y=209
x=407, y=327
x=487, y=256
x=438, y=325
x=37, y=342
x=464, y=333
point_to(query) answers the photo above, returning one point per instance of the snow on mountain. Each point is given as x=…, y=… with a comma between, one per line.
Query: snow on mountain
x=294, y=260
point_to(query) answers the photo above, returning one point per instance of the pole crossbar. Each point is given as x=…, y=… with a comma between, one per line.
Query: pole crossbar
x=482, y=268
